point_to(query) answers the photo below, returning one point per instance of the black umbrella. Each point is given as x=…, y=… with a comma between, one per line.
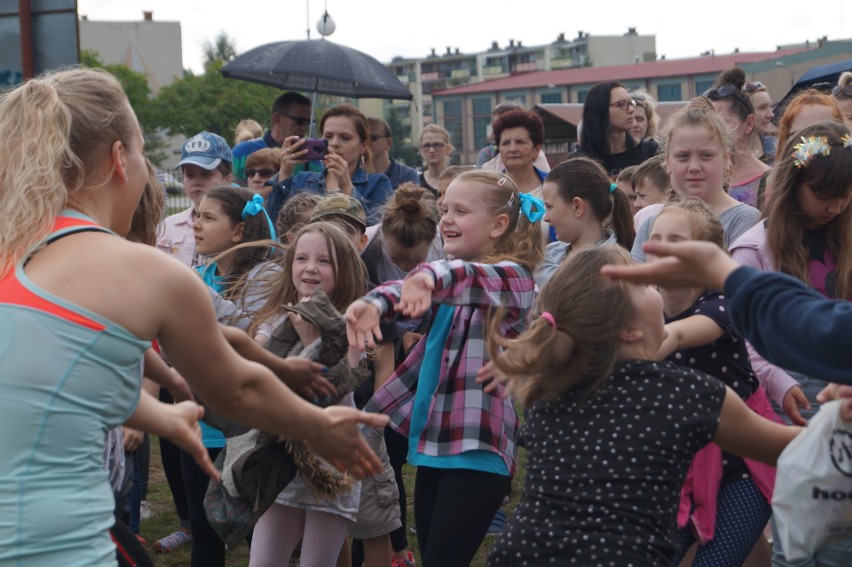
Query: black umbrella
x=317, y=66
x=822, y=76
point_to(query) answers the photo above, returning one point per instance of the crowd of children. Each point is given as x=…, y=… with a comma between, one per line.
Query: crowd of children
x=651, y=416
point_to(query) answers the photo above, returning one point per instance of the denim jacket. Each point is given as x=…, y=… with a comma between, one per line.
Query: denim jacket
x=371, y=189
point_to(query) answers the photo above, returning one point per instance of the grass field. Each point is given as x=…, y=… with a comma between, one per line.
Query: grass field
x=164, y=519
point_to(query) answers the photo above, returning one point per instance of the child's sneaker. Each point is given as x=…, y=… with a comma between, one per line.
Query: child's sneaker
x=145, y=510
x=173, y=541
x=498, y=522
x=407, y=561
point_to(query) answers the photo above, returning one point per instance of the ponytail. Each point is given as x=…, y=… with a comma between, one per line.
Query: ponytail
x=57, y=130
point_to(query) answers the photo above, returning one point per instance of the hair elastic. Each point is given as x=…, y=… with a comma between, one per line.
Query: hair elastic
x=255, y=206
x=612, y=188
x=548, y=316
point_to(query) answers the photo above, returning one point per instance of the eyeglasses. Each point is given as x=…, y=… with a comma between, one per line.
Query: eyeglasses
x=265, y=172
x=625, y=103
x=433, y=146
x=298, y=121
x=375, y=137
x=845, y=91
x=753, y=87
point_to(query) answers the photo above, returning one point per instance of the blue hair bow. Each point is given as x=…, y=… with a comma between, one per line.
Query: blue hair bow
x=256, y=206
x=527, y=204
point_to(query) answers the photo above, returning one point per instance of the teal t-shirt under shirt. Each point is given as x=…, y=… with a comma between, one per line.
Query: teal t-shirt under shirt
x=427, y=384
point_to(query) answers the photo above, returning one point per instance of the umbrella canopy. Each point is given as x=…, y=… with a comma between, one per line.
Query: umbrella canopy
x=317, y=66
x=816, y=75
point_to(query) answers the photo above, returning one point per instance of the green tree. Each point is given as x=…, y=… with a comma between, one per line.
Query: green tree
x=138, y=92
x=211, y=102
x=220, y=50
x=402, y=149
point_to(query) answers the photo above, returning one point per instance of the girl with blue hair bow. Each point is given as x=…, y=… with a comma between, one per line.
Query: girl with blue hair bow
x=584, y=208
x=461, y=436
x=227, y=217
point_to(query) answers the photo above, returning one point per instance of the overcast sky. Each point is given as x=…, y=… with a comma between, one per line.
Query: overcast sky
x=683, y=29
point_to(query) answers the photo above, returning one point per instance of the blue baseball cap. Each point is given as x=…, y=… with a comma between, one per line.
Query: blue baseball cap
x=206, y=150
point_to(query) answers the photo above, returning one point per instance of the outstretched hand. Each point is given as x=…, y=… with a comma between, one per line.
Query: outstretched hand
x=362, y=324
x=681, y=264
x=341, y=443
x=186, y=434
x=416, y=296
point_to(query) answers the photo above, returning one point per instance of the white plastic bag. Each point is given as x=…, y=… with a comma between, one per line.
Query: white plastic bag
x=812, y=500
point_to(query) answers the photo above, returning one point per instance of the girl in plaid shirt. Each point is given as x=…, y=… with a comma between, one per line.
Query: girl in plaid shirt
x=461, y=438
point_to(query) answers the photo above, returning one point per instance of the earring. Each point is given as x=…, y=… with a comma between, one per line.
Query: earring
x=363, y=162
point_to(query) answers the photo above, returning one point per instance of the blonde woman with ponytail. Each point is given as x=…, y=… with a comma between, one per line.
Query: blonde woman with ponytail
x=79, y=305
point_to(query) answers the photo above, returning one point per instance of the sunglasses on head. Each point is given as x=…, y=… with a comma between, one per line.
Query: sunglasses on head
x=375, y=137
x=823, y=87
x=265, y=172
x=753, y=87
x=721, y=91
x=638, y=98
x=844, y=91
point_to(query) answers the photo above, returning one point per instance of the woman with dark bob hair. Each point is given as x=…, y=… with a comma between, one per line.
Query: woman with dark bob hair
x=519, y=135
x=607, y=121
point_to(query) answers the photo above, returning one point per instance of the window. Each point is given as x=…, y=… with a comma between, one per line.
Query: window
x=669, y=92
x=482, y=105
x=703, y=86
x=452, y=108
x=581, y=95
x=454, y=127
x=551, y=98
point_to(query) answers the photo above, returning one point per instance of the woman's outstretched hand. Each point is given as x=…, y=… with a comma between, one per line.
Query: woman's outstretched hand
x=681, y=264
x=341, y=443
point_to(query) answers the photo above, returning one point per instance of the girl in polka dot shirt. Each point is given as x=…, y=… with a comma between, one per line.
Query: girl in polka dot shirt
x=726, y=500
x=610, y=433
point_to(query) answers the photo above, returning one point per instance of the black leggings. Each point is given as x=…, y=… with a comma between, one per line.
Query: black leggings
x=208, y=550
x=452, y=510
x=170, y=457
x=128, y=549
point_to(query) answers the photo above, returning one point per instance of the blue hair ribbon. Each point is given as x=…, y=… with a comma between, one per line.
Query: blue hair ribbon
x=527, y=204
x=612, y=188
x=256, y=206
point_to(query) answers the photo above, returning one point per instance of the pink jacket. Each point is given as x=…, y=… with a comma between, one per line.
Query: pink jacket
x=701, y=487
x=750, y=249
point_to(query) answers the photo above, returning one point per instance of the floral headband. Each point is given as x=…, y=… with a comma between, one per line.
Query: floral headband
x=813, y=146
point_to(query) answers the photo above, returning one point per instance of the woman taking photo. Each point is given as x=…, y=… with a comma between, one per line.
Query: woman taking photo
x=607, y=121
x=344, y=166
x=436, y=149
x=72, y=172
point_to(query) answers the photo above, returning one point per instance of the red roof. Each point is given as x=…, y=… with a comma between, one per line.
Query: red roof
x=592, y=75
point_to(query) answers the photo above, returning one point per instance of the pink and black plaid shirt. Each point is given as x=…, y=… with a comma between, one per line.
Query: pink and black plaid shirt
x=461, y=416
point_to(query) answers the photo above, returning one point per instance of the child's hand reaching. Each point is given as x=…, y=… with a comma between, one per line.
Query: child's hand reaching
x=494, y=380
x=362, y=324
x=416, y=297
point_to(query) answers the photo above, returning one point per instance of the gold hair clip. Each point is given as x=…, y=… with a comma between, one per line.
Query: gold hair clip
x=847, y=140
x=809, y=148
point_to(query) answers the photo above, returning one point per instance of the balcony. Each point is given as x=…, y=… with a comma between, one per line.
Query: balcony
x=562, y=63
x=528, y=66
x=460, y=73
x=493, y=70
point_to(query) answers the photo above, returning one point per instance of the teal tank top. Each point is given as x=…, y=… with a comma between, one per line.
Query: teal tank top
x=67, y=375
